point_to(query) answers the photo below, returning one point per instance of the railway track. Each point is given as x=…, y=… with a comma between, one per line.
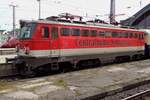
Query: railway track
x=124, y=88
x=139, y=96
x=135, y=91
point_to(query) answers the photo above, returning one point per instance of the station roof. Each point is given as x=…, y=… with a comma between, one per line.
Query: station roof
x=138, y=18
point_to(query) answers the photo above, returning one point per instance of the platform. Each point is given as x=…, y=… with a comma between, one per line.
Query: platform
x=7, y=51
x=76, y=85
x=6, y=68
x=4, y=57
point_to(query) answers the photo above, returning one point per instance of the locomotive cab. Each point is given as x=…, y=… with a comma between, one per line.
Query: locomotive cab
x=38, y=40
x=35, y=46
x=25, y=38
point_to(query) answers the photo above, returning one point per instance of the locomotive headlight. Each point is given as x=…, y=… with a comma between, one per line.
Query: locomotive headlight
x=17, y=48
x=27, y=50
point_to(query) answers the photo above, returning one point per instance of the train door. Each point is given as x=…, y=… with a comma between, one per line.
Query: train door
x=54, y=41
x=45, y=40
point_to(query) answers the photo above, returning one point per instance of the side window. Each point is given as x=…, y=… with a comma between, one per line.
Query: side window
x=65, y=31
x=101, y=34
x=126, y=35
x=85, y=33
x=75, y=32
x=130, y=35
x=93, y=33
x=114, y=34
x=45, y=32
x=135, y=35
x=121, y=35
x=54, y=32
x=108, y=34
x=141, y=36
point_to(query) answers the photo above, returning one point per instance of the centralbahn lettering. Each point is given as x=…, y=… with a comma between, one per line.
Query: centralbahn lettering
x=83, y=43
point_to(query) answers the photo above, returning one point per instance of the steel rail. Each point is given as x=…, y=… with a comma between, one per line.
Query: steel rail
x=138, y=96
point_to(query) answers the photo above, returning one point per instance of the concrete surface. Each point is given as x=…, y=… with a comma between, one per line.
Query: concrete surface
x=6, y=68
x=4, y=57
x=76, y=85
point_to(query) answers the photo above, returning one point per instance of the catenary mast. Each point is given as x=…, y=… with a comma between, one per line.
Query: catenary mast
x=112, y=12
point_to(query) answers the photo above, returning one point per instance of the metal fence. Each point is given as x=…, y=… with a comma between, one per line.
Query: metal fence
x=7, y=51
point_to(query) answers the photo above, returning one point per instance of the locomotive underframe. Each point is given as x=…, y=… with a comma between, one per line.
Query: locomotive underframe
x=34, y=62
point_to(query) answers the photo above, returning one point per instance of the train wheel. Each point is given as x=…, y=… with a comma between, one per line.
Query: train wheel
x=88, y=63
x=97, y=62
x=117, y=60
x=137, y=57
x=122, y=59
x=27, y=72
x=55, y=66
x=65, y=67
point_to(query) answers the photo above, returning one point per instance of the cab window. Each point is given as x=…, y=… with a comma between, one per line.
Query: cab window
x=27, y=31
x=45, y=32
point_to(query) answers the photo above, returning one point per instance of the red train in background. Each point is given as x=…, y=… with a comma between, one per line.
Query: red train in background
x=11, y=42
x=55, y=42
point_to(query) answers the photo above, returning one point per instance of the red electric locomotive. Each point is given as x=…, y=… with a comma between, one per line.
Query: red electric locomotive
x=57, y=41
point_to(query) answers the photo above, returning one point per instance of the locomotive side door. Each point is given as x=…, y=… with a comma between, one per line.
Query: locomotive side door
x=43, y=44
x=54, y=42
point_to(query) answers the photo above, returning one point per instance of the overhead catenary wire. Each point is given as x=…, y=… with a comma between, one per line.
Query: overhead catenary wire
x=64, y=5
x=75, y=8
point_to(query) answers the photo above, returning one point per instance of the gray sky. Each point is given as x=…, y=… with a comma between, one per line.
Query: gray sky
x=28, y=9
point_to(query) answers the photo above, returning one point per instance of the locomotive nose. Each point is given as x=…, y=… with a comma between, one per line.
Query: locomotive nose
x=23, y=47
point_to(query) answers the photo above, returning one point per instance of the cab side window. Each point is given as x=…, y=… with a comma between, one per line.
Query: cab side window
x=45, y=32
